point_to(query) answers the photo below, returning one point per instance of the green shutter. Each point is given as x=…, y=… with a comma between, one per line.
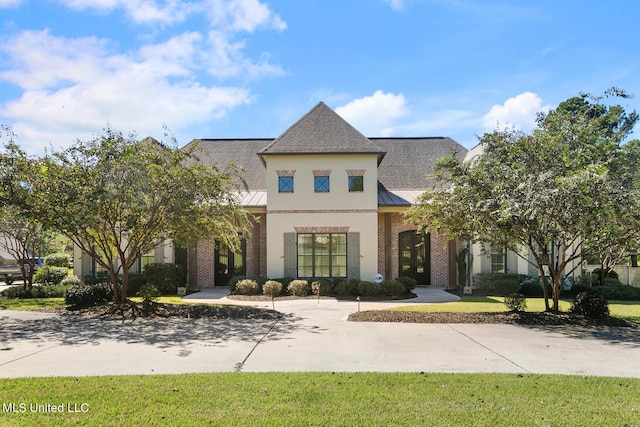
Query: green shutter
x=290, y=255
x=353, y=255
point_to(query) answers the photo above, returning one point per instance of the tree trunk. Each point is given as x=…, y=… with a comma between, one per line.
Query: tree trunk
x=544, y=289
x=114, y=282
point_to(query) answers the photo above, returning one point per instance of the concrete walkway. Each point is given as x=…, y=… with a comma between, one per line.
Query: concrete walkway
x=313, y=335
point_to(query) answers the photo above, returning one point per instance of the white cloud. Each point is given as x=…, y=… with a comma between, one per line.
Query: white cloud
x=519, y=112
x=74, y=87
x=10, y=3
x=231, y=15
x=396, y=5
x=375, y=115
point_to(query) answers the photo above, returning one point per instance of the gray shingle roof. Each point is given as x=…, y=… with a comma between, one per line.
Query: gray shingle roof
x=321, y=131
x=241, y=152
x=409, y=161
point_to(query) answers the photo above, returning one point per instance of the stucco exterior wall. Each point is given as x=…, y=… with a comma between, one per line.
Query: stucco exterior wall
x=355, y=211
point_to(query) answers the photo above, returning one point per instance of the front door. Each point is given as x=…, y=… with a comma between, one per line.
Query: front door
x=229, y=263
x=414, y=256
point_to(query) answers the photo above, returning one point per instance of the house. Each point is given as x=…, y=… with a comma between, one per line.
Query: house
x=328, y=203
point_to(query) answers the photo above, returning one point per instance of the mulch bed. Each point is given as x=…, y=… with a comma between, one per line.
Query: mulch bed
x=542, y=318
x=162, y=310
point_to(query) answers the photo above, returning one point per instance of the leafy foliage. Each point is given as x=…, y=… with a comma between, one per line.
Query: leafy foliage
x=48, y=275
x=88, y=295
x=247, y=287
x=542, y=191
x=299, y=288
x=515, y=302
x=58, y=260
x=590, y=304
x=320, y=288
x=369, y=289
x=118, y=197
x=272, y=288
x=22, y=292
x=166, y=277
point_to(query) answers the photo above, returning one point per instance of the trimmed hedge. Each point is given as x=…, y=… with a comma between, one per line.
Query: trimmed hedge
x=299, y=288
x=395, y=288
x=20, y=292
x=409, y=283
x=88, y=295
x=369, y=289
x=272, y=288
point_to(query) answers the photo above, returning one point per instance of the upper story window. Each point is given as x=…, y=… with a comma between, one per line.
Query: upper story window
x=356, y=183
x=285, y=180
x=356, y=180
x=285, y=184
x=321, y=184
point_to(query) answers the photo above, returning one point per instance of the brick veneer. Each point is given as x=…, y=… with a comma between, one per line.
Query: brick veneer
x=439, y=250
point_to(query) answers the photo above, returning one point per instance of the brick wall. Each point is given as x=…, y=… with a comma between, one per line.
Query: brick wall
x=439, y=250
x=257, y=247
x=206, y=268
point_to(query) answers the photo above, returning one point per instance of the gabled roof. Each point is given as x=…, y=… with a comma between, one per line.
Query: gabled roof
x=322, y=131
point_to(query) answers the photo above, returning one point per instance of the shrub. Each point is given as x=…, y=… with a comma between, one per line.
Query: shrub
x=320, y=288
x=166, y=277
x=299, y=288
x=135, y=283
x=57, y=260
x=505, y=287
x=20, y=292
x=578, y=288
x=272, y=288
x=369, y=289
x=71, y=281
x=148, y=292
x=515, y=302
x=409, y=283
x=88, y=295
x=488, y=280
x=345, y=287
x=531, y=289
x=247, y=287
x=394, y=288
x=48, y=275
x=590, y=304
x=619, y=292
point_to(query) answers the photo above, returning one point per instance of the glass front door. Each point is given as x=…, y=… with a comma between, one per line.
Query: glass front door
x=229, y=263
x=414, y=256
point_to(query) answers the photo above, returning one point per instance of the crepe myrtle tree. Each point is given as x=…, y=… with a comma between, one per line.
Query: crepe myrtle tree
x=117, y=197
x=544, y=191
x=21, y=234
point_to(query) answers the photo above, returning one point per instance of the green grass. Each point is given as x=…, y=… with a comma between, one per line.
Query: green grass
x=629, y=310
x=31, y=303
x=323, y=399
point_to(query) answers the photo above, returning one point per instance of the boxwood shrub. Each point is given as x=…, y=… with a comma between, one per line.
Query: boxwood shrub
x=272, y=288
x=395, y=288
x=590, y=304
x=20, y=292
x=409, y=283
x=345, y=288
x=369, y=289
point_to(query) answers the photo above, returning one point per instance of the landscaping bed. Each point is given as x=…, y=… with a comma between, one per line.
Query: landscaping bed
x=512, y=318
x=164, y=310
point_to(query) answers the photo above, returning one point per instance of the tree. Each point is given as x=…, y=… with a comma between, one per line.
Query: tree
x=616, y=235
x=542, y=191
x=118, y=197
x=21, y=234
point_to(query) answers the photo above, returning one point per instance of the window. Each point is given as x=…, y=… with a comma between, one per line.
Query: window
x=498, y=260
x=322, y=255
x=285, y=184
x=148, y=258
x=356, y=183
x=321, y=184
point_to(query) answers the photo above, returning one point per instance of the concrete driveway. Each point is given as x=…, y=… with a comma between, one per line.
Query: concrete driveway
x=312, y=336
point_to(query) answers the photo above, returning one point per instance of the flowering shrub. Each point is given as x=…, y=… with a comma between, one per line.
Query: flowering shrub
x=247, y=287
x=299, y=288
x=272, y=288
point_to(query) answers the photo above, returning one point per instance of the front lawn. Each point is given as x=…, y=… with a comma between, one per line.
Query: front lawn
x=43, y=303
x=629, y=310
x=323, y=399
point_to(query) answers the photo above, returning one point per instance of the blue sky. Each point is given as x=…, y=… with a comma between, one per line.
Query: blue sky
x=251, y=68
